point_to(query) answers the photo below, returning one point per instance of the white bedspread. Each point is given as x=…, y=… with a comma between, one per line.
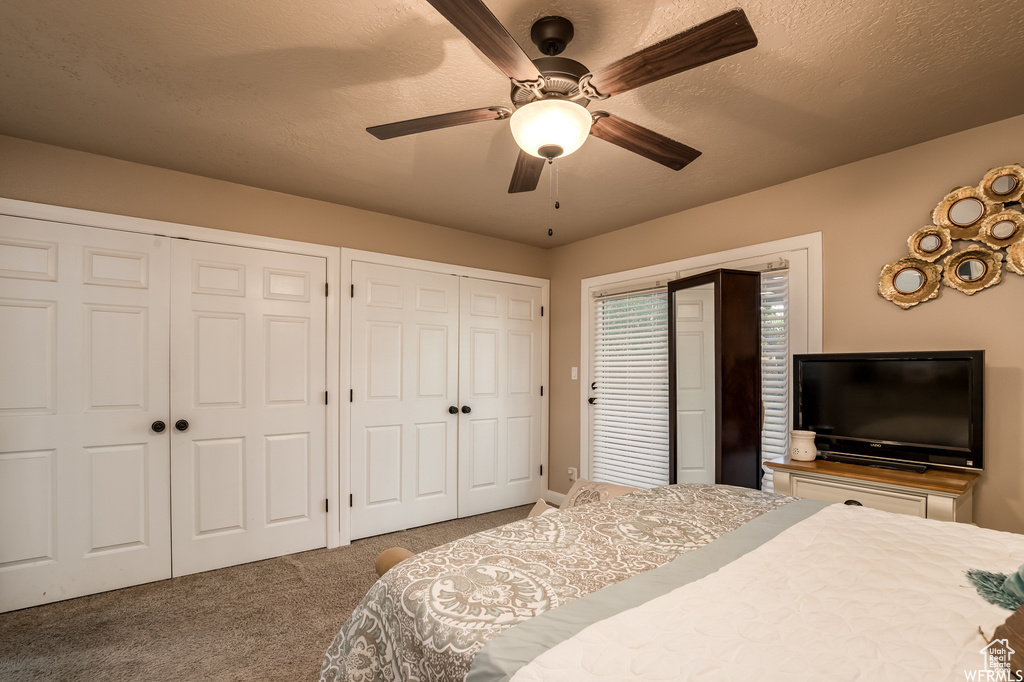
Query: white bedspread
x=848, y=594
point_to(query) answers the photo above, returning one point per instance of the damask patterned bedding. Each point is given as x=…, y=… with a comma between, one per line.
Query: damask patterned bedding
x=845, y=593
x=428, y=617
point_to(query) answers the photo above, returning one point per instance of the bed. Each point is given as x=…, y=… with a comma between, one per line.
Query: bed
x=685, y=582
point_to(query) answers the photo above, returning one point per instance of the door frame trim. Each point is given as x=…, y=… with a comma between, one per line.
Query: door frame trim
x=642, y=277
x=348, y=255
x=337, y=522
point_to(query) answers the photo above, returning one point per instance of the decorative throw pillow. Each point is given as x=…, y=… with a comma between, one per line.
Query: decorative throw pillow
x=390, y=557
x=541, y=507
x=585, y=492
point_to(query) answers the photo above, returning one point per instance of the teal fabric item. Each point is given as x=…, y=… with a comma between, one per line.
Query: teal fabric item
x=1014, y=585
x=999, y=588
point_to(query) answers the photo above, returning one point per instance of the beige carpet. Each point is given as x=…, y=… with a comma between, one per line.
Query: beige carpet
x=268, y=620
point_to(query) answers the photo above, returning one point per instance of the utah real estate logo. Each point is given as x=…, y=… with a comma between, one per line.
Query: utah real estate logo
x=997, y=664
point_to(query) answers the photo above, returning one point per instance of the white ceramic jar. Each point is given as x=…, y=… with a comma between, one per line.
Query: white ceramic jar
x=801, y=446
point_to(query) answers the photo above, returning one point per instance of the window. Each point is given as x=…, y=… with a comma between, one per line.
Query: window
x=624, y=433
x=630, y=389
x=774, y=368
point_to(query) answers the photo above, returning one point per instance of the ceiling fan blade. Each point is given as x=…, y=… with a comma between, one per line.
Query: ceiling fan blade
x=526, y=174
x=642, y=141
x=436, y=122
x=725, y=35
x=482, y=29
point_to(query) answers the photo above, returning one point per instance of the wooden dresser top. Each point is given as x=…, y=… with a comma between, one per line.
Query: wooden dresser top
x=938, y=480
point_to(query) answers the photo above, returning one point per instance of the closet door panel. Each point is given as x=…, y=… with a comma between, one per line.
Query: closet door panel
x=501, y=369
x=403, y=443
x=84, y=480
x=247, y=366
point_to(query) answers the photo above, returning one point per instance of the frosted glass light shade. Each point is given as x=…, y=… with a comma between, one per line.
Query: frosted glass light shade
x=548, y=122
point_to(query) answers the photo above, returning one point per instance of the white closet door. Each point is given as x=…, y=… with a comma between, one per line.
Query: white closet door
x=84, y=479
x=695, y=384
x=248, y=375
x=500, y=374
x=405, y=380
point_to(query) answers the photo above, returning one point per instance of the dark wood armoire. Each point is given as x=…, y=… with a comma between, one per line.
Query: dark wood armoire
x=715, y=378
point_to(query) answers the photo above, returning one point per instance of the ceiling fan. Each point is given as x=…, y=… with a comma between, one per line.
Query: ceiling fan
x=550, y=94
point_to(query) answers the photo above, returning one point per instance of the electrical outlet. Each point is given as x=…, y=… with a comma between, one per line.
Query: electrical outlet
x=572, y=474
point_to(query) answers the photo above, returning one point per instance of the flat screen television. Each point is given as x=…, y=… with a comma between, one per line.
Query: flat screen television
x=893, y=409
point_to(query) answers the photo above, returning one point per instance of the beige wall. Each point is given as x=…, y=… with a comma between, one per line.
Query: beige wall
x=865, y=211
x=30, y=171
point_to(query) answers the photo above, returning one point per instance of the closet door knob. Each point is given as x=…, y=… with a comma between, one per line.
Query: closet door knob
x=158, y=426
x=453, y=410
x=466, y=409
x=181, y=424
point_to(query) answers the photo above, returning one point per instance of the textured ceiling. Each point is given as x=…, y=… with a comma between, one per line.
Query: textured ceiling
x=278, y=93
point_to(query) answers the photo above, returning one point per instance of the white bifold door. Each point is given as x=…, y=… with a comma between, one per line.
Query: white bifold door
x=500, y=392
x=84, y=478
x=405, y=373
x=149, y=388
x=446, y=397
x=248, y=453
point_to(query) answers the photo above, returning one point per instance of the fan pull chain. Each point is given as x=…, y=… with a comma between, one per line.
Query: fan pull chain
x=551, y=173
x=554, y=172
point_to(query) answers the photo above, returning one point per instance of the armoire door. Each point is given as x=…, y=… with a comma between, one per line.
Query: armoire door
x=500, y=358
x=248, y=413
x=84, y=472
x=404, y=438
x=695, y=411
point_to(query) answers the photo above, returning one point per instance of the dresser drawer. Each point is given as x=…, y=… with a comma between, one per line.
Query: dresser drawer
x=886, y=500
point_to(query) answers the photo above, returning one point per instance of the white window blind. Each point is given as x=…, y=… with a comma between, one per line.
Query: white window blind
x=630, y=370
x=774, y=368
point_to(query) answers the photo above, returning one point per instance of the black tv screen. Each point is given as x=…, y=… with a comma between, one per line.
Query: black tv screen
x=923, y=408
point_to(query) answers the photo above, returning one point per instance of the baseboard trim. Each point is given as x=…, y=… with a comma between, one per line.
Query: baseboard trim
x=551, y=497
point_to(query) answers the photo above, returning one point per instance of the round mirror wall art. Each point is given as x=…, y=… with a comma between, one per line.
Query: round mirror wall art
x=1002, y=229
x=909, y=281
x=972, y=270
x=1003, y=184
x=962, y=210
x=930, y=243
x=1015, y=258
x=967, y=211
x=991, y=214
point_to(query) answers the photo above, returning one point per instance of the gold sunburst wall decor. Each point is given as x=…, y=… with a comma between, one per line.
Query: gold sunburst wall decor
x=910, y=281
x=990, y=215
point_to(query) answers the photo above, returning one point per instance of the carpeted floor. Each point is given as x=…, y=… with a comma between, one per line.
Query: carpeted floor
x=268, y=620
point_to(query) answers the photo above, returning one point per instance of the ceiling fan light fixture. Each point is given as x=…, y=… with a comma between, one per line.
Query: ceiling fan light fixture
x=550, y=128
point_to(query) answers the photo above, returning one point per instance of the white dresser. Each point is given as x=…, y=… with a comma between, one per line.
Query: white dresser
x=934, y=494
